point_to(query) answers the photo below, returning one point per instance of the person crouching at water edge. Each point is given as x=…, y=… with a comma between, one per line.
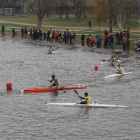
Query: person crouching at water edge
x=55, y=82
x=119, y=70
x=88, y=99
x=112, y=61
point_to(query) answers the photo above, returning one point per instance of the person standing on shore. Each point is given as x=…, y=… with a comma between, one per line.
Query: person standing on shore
x=127, y=43
x=3, y=30
x=89, y=23
x=13, y=32
x=124, y=42
x=82, y=39
x=73, y=38
x=128, y=32
x=22, y=32
x=44, y=32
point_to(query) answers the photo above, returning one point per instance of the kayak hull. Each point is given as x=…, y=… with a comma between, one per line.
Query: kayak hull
x=115, y=75
x=85, y=105
x=119, y=61
x=50, y=89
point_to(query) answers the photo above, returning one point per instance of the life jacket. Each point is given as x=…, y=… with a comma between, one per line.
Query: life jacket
x=120, y=70
x=116, y=57
x=50, y=50
x=28, y=32
x=88, y=100
x=112, y=60
x=55, y=81
x=124, y=30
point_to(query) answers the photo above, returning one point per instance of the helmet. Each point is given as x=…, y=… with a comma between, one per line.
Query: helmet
x=86, y=93
x=53, y=75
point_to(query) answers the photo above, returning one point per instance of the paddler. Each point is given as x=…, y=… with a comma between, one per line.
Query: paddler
x=50, y=50
x=55, y=82
x=119, y=70
x=117, y=57
x=112, y=61
x=87, y=98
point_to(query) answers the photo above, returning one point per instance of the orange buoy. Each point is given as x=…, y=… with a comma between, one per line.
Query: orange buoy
x=96, y=68
x=9, y=85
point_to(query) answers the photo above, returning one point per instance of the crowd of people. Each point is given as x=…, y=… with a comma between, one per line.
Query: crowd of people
x=67, y=37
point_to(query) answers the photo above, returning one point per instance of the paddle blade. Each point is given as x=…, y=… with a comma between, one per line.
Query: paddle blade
x=75, y=91
x=104, y=60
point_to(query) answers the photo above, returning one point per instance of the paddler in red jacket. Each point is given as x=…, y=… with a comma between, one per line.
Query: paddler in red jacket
x=55, y=82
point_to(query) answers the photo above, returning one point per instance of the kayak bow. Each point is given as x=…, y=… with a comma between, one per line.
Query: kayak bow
x=50, y=89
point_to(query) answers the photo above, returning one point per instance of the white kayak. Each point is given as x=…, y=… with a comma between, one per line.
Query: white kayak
x=52, y=52
x=119, y=61
x=85, y=105
x=115, y=75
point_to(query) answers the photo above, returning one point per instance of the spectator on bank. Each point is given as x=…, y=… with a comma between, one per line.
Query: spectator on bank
x=127, y=43
x=22, y=32
x=73, y=38
x=105, y=33
x=99, y=41
x=112, y=42
x=106, y=42
x=128, y=32
x=40, y=34
x=70, y=37
x=117, y=35
x=136, y=45
x=65, y=37
x=28, y=32
x=82, y=39
x=59, y=35
x=48, y=35
x=56, y=36
x=25, y=33
x=13, y=32
x=89, y=23
x=117, y=43
x=124, y=31
x=44, y=33
x=90, y=41
x=3, y=30
x=121, y=37
x=124, y=43
x=53, y=33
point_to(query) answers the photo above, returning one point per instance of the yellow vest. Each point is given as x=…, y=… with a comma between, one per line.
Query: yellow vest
x=50, y=50
x=28, y=32
x=120, y=70
x=44, y=30
x=112, y=61
x=117, y=57
x=55, y=81
x=88, y=100
x=50, y=34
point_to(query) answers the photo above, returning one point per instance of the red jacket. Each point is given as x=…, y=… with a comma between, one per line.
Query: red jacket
x=128, y=31
x=104, y=39
x=90, y=41
x=70, y=36
x=56, y=33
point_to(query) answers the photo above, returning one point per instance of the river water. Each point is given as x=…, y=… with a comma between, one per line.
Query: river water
x=26, y=117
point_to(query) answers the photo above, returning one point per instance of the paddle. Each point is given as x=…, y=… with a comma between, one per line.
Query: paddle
x=77, y=94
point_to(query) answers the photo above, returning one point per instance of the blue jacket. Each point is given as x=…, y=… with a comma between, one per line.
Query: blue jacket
x=117, y=42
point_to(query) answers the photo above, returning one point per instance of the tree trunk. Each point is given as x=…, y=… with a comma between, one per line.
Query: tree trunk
x=84, y=14
x=120, y=25
x=39, y=23
x=48, y=13
x=67, y=17
x=99, y=26
x=13, y=10
x=110, y=25
x=77, y=17
x=127, y=19
x=60, y=14
x=115, y=20
x=3, y=10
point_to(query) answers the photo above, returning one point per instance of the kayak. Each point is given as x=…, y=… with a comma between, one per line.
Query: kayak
x=119, y=61
x=114, y=75
x=52, y=52
x=50, y=89
x=85, y=105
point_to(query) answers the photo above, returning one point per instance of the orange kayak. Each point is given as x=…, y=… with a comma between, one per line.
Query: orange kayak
x=50, y=90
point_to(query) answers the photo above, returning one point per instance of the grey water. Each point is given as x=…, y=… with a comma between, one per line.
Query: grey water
x=27, y=117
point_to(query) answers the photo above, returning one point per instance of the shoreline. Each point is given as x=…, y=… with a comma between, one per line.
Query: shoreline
x=123, y=54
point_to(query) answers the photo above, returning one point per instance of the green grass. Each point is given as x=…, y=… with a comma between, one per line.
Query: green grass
x=71, y=22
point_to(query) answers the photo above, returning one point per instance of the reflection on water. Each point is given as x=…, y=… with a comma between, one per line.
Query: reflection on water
x=25, y=116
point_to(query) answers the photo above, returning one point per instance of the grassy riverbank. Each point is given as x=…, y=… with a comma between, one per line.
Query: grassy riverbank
x=55, y=23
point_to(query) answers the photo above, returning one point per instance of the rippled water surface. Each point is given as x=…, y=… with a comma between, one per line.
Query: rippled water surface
x=28, y=65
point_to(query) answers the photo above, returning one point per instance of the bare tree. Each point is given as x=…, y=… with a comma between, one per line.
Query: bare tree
x=22, y=6
x=40, y=7
x=12, y=3
x=137, y=7
x=2, y=3
x=118, y=7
